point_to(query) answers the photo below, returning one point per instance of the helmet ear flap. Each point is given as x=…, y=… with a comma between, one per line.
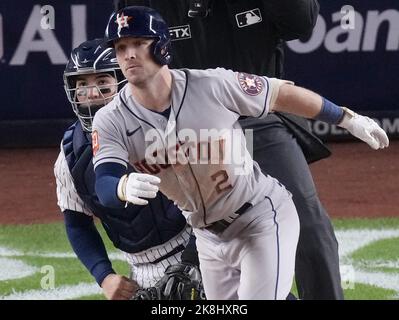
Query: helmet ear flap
x=162, y=51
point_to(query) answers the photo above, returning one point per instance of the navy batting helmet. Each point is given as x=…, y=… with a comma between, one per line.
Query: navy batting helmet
x=141, y=22
x=91, y=57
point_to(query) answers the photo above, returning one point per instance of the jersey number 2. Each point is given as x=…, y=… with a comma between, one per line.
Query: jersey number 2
x=222, y=176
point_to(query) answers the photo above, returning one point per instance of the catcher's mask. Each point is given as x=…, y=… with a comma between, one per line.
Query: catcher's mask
x=91, y=61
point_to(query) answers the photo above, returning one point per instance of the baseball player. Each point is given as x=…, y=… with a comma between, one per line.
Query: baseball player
x=208, y=34
x=152, y=237
x=179, y=129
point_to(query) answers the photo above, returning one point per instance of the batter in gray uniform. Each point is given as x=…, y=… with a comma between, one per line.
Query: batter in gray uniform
x=179, y=129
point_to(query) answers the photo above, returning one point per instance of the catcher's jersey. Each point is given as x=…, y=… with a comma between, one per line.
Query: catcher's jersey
x=200, y=151
x=67, y=196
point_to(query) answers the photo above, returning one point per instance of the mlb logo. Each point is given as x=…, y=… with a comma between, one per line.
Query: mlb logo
x=247, y=18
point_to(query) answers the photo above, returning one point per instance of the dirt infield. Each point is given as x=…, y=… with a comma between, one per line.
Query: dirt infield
x=354, y=182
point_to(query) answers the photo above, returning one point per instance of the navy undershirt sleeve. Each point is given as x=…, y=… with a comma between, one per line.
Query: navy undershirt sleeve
x=86, y=242
x=107, y=179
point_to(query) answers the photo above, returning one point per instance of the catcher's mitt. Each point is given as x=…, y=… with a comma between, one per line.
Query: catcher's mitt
x=181, y=282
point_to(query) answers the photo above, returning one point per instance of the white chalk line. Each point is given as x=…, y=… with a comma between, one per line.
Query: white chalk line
x=12, y=269
x=6, y=252
x=15, y=269
x=60, y=293
x=349, y=241
x=354, y=239
x=374, y=264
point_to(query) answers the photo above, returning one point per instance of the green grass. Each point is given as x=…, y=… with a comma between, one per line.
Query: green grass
x=363, y=223
x=367, y=292
x=41, y=237
x=45, y=238
x=377, y=255
x=66, y=271
x=35, y=237
x=386, y=249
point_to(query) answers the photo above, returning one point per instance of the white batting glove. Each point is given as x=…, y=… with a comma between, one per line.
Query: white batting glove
x=365, y=129
x=133, y=187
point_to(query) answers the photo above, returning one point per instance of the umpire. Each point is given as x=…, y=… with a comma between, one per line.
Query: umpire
x=248, y=36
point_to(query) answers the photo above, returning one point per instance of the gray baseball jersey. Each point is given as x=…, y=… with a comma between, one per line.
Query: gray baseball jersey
x=207, y=185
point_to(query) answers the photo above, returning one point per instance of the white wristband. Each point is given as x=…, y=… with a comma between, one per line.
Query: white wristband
x=121, y=190
x=348, y=115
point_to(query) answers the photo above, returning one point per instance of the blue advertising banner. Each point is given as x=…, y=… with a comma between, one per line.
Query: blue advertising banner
x=36, y=38
x=352, y=58
x=33, y=57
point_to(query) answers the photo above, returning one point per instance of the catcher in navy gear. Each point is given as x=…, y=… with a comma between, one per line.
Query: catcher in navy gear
x=152, y=237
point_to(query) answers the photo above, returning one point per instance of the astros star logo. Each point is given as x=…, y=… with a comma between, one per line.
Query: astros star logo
x=250, y=84
x=122, y=21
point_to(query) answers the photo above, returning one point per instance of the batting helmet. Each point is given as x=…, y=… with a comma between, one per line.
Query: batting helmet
x=90, y=57
x=141, y=22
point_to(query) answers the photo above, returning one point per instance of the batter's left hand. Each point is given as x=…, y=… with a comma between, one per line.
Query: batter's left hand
x=365, y=129
x=135, y=186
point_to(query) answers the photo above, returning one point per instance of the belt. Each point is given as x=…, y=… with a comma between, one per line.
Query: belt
x=221, y=225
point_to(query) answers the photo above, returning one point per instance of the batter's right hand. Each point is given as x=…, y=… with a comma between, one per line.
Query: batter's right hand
x=116, y=287
x=365, y=129
x=133, y=187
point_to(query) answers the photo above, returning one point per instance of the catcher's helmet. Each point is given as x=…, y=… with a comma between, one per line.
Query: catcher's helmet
x=142, y=22
x=90, y=57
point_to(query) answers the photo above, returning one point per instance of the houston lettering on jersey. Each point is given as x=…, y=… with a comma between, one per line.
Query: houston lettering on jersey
x=203, y=152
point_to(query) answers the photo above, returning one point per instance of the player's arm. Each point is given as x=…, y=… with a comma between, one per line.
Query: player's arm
x=293, y=19
x=86, y=242
x=251, y=95
x=305, y=103
x=114, y=186
x=89, y=247
x=84, y=237
x=108, y=175
x=80, y=229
